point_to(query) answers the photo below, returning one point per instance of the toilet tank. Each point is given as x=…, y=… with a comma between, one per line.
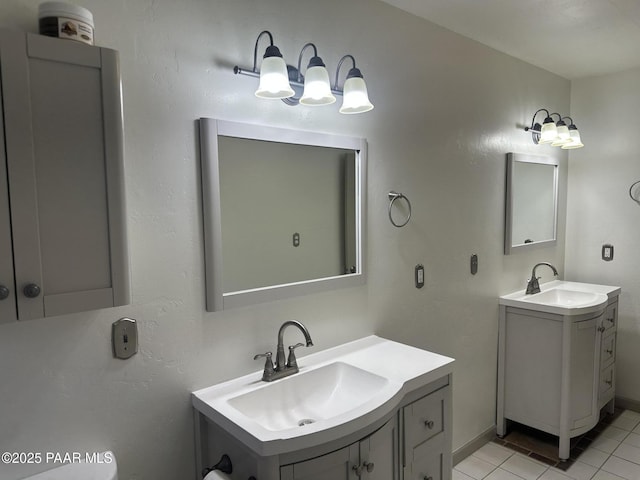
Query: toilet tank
x=105, y=469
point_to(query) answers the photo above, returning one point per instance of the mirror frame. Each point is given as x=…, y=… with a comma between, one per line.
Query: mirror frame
x=216, y=298
x=512, y=158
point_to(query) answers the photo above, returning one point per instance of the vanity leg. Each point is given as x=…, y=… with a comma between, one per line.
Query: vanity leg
x=200, y=428
x=564, y=447
x=610, y=407
x=501, y=422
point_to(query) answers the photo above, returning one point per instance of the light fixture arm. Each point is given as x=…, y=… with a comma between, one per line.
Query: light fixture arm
x=351, y=57
x=255, y=49
x=571, y=120
x=533, y=121
x=315, y=54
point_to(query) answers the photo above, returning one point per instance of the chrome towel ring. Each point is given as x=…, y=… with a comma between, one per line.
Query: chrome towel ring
x=637, y=198
x=393, y=196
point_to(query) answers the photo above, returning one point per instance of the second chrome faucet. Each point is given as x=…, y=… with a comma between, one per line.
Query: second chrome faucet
x=281, y=369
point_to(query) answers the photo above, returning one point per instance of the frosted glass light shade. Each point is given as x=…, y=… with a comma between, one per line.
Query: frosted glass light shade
x=317, y=90
x=574, y=142
x=274, y=79
x=563, y=136
x=548, y=132
x=356, y=98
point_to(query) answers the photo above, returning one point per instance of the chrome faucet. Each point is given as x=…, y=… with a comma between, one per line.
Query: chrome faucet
x=281, y=369
x=533, y=286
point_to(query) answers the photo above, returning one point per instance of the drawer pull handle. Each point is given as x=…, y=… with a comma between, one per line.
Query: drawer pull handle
x=369, y=466
x=601, y=329
x=429, y=424
x=610, y=352
x=609, y=382
x=31, y=291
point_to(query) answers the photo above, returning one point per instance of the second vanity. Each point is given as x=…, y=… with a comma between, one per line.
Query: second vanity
x=369, y=409
x=556, y=358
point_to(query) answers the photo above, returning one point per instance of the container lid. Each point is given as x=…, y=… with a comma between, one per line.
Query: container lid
x=62, y=9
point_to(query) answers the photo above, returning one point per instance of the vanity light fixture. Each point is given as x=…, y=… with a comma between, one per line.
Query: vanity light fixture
x=287, y=83
x=557, y=134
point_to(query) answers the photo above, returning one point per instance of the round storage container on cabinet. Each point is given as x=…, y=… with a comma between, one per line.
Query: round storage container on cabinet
x=65, y=20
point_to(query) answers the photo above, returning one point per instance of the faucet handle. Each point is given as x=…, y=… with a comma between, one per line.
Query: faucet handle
x=268, y=364
x=291, y=361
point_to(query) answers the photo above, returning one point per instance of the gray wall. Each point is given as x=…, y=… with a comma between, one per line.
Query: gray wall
x=447, y=112
x=600, y=210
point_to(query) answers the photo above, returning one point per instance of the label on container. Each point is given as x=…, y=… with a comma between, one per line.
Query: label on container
x=75, y=30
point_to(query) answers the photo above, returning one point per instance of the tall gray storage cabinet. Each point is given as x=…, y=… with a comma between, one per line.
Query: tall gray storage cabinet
x=63, y=242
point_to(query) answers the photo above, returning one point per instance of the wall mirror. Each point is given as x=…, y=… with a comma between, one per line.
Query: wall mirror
x=283, y=212
x=531, y=202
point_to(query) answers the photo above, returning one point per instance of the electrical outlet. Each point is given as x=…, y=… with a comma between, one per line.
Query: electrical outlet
x=607, y=252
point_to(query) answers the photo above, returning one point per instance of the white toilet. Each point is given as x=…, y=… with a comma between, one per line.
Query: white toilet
x=83, y=471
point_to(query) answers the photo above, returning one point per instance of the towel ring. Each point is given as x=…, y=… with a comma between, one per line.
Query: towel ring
x=637, y=200
x=393, y=196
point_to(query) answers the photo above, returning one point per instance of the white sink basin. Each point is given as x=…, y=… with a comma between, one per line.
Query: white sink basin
x=563, y=298
x=306, y=398
x=338, y=392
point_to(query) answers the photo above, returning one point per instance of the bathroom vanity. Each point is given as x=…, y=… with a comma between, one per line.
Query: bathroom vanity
x=372, y=409
x=556, y=368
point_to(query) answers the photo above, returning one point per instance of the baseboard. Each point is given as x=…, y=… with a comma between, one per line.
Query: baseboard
x=473, y=445
x=628, y=404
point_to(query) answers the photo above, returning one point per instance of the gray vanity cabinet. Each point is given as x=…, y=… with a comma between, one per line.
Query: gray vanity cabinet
x=62, y=212
x=556, y=372
x=373, y=458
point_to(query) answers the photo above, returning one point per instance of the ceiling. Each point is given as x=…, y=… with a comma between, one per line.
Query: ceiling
x=572, y=38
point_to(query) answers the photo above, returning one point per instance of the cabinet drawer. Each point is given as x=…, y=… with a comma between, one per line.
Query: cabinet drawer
x=610, y=318
x=608, y=351
x=424, y=418
x=429, y=466
x=607, y=381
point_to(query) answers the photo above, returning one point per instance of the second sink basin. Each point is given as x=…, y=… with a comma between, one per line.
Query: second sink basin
x=563, y=298
x=566, y=298
x=306, y=398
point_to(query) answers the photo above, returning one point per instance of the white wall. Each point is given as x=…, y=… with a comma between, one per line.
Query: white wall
x=447, y=112
x=600, y=210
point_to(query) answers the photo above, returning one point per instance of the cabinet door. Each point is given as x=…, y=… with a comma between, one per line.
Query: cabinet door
x=338, y=465
x=63, y=123
x=379, y=453
x=7, y=284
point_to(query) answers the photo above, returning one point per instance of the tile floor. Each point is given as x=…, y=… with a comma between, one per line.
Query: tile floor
x=613, y=455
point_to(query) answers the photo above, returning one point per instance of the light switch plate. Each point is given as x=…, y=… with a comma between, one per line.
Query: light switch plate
x=124, y=337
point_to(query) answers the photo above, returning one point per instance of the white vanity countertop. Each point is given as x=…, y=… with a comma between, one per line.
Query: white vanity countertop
x=406, y=368
x=601, y=295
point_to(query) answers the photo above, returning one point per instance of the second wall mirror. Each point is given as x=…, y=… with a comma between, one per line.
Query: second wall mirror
x=531, y=202
x=283, y=212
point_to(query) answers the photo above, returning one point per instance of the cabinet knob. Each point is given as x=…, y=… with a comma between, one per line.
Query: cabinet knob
x=369, y=466
x=4, y=292
x=429, y=424
x=610, y=352
x=427, y=478
x=357, y=469
x=601, y=329
x=31, y=291
x=611, y=320
x=608, y=382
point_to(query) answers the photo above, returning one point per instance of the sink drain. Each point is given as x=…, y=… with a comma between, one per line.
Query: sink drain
x=305, y=421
